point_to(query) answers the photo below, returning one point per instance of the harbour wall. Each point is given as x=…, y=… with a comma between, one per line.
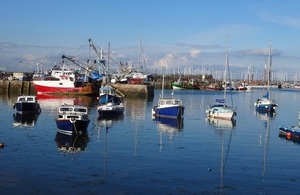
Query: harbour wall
x=16, y=87
x=135, y=91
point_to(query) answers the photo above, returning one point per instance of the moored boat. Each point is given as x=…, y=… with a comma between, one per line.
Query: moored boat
x=168, y=107
x=221, y=110
x=66, y=81
x=66, y=86
x=27, y=104
x=290, y=132
x=266, y=104
x=178, y=84
x=113, y=108
x=107, y=93
x=72, y=119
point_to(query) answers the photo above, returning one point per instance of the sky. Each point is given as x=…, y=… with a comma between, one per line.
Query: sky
x=185, y=36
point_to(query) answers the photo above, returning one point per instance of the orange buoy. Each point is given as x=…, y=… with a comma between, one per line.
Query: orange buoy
x=289, y=135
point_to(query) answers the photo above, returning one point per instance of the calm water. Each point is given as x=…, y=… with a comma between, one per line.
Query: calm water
x=134, y=154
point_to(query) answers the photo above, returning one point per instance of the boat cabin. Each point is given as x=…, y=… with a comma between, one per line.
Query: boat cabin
x=79, y=110
x=169, y=102
x=27, y=99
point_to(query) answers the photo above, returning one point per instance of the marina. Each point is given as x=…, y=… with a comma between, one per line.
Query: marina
x=210, y=109
x=134, y=152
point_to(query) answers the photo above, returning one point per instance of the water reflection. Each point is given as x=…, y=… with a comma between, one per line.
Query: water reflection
x=25, y=120
x=169, y=127
x=71, y=143
x=220, y=123
x=136, y=108
x=107, y=121
x=264, y=136
x=264, y=116
x=51, y=102
x=224, y=128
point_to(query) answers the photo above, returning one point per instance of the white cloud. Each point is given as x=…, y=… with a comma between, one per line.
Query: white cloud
x=195, y=53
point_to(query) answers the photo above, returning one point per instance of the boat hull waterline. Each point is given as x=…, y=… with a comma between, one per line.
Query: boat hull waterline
x=57, y=87
x=174, y=112
x=111, y=109
x=69, y=127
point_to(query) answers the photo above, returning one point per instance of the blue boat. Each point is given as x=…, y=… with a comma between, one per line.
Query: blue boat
x=72, y=120
x=292, y=132
x=266, y=104
x=27, y=104
x=168, y=107
x=107, y=93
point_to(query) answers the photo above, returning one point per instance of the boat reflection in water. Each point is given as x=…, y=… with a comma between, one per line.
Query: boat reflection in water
x=107, y=121
x=51, y=102
x=168, y=126
x=265, y=116
x=221, y=123
x=264, y=136
x=25, y=120
x=224, y=129
x=71, y=143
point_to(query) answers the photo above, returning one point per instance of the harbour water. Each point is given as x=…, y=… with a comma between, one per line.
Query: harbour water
x=134, y=154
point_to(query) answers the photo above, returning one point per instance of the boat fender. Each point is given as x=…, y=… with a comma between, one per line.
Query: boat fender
x=14, y=106
x=72, y=120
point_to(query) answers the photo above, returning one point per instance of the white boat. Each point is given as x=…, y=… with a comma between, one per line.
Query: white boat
x=168, y=107
x=221, y=110
x=266, y=104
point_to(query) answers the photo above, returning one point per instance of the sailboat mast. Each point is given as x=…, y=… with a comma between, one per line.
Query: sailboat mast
x=226, y=66
x=269, y=65
x=139, y=42
x=162, y=87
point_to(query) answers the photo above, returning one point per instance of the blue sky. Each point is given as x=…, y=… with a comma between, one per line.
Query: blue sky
x=174, y=33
